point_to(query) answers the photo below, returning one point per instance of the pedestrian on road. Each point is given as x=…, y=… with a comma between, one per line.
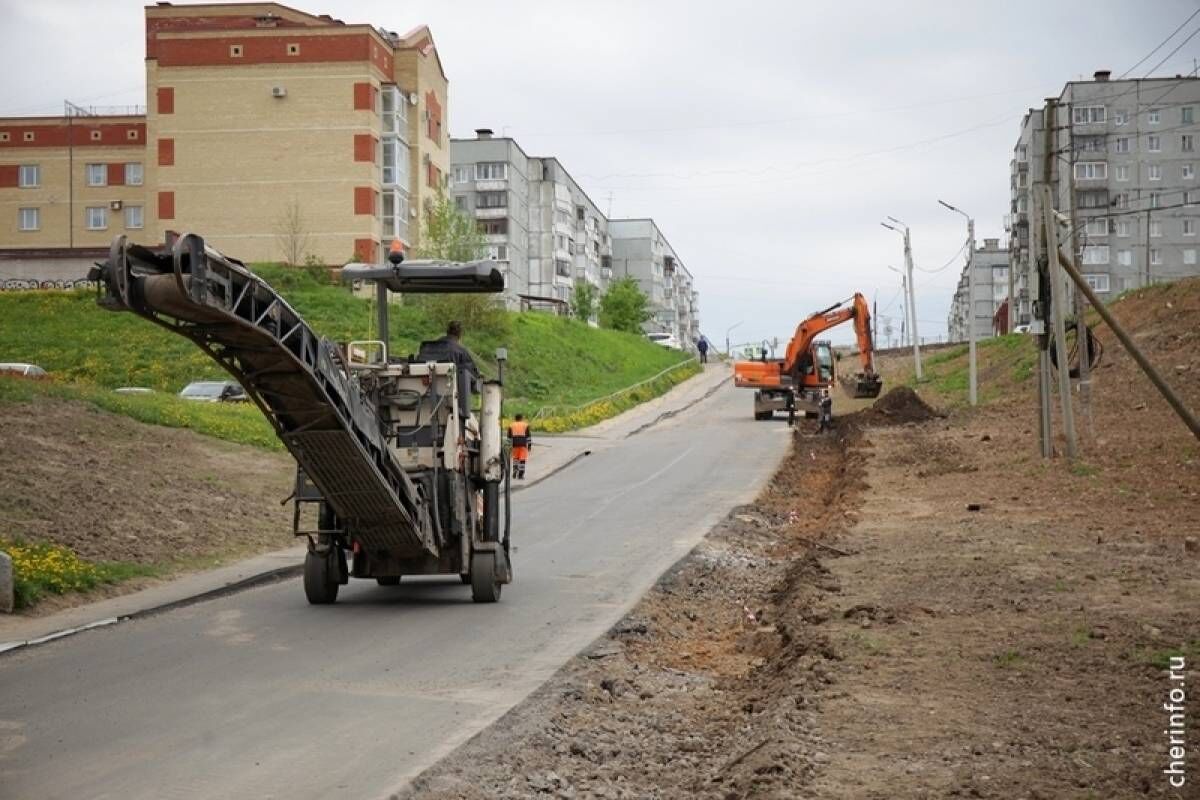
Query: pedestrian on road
x=702, y=346
x=825, y=415
x=521, y=439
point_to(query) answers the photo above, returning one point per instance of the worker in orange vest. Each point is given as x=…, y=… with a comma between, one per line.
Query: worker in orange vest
x=521, y=439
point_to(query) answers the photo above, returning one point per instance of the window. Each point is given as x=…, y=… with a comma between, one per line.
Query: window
x=1125, y=258
x=1121, y=116
x=1121, y=200
x=1091, y=144
x=1022, y=153
x=1122, y=145
x=1084, y=115
x=97, y=175
x=1155, y=255
x=498, y=252
x=27, y=136
x=1154, y=143
x=1095, y=254
x=1191, y=198
x=1187, y=143
x=1189, y=256
x=491, y=200
x=133, y=174
x=1091, y=170
x=1098, y=282
x=1093, y=199
x=494, y=227
x=30, y=177
x=1122, y=172
x=30, y=219
x=1185, y=115
x=293, y=49
x=97, y=218
x=1189, y=227
x=1153, y=116
x=133, y=217
x=491, y=171
x=562, y=268
x=395, y=213
x=1155, y=229
x=235, y=51
x=1189, y=171
x=1096, y=227
x=1154, y=199
x=1154, y=172
x=1123, y=227
x=462, y=175
x=395, y=161
x=460, y=202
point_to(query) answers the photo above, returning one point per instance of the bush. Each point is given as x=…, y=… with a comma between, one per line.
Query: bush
x=624, y=307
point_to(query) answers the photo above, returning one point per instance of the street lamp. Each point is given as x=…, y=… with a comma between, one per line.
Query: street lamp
x=971, y=368
x=728, y=331
x=910, y=295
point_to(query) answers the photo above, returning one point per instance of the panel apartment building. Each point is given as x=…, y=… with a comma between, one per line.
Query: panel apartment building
x=547, y=233
x=991, y=265
x=267, y=129
x=1124, y=160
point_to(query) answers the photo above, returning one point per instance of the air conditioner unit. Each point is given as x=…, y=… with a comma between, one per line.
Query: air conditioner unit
x=115, y=205
x=278, y=91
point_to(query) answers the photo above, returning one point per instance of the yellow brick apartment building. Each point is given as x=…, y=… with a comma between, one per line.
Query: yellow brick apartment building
x=276, y=134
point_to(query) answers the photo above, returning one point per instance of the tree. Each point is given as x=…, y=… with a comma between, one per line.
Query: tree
x=583, y=301
x=624, y=307
x=450, y=235
x=291, y=230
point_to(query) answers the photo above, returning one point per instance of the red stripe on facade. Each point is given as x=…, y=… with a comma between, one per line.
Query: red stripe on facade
x=116, y=174
x=364, y=200
x=433, y=127
x=364, y=97
x=166, y=152
x=272, y=50
x=182, y=24
x=166, y=205
x=166, y=100
x=364, y=147
x=10, y=175
x=79, y=133
x=366, y=250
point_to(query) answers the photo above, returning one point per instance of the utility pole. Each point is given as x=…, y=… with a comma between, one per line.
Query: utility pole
x=913, y=336
x=1039, y=284
x=972, y=381
x=1081, y=343
x=1057, y=301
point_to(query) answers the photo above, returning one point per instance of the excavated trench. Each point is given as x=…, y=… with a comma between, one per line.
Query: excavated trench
x=710, y=686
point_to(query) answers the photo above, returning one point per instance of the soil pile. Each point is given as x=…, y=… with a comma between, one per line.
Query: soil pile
x=899, y=406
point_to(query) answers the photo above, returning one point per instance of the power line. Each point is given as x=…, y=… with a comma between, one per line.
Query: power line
x=953, y=258
x=1146, y=57
x=1191, y=36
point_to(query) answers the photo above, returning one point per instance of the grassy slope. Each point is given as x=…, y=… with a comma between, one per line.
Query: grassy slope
x=552, y=361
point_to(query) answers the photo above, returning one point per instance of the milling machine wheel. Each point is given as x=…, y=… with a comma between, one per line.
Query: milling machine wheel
x=485, y=581
x=388, y=580
x=465, y=578
x=320, y=578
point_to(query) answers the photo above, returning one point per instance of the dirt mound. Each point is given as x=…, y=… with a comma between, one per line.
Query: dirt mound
x=112, y=489
x=897, y=407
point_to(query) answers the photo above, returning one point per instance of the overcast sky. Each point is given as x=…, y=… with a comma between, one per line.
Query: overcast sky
x=767, y=139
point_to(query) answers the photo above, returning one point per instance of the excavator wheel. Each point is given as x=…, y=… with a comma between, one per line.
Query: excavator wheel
x=320, y=578
x=485, y=579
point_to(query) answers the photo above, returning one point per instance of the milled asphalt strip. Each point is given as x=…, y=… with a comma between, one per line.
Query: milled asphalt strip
x=251, y=582
x=680, y=410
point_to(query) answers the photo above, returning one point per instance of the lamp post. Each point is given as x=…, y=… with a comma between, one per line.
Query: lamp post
x=911, y=295
x=728, y=331
x=972, y=388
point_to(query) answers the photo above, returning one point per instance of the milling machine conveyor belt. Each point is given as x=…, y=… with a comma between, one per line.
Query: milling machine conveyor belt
x=298, y=379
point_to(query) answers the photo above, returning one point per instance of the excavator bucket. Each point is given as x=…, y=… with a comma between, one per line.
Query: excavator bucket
x=863, y=385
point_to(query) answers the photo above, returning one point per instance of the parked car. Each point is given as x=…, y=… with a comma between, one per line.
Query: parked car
x=665, y=339
x=215, y=392
x=24, y=370
x=133, y=390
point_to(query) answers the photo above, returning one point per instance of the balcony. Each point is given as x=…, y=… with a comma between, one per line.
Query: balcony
x=495, y=238
x=491, y=213
x=500, y=185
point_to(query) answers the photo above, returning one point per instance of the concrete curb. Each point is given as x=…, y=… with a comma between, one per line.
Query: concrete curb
x=271, y=576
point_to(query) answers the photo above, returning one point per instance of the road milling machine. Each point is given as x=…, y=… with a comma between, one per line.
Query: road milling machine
x=794, y=383
x=396, y=473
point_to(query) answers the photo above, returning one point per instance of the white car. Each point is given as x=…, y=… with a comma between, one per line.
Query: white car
x=24, y=370
x=665, y=339
x=215, y=392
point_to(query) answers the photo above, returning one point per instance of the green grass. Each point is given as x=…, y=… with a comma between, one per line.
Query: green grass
x=90, y=351
x=946, y=372
x=1009, y=659
x=1082, y=470
x=1161, y=659
x=40, y=568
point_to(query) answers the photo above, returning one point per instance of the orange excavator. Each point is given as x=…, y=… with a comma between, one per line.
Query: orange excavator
x=794, y=383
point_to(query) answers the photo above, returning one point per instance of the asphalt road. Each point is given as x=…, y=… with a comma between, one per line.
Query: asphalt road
x=260, y=695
